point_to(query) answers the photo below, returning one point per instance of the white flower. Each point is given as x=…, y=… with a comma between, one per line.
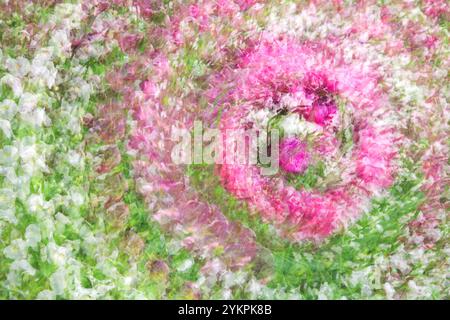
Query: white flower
x=32, y=159
x=43, y=57
x=45, y=295
x=226, y=294
x=416, y=291
x=62, y=219
x=9, y=155
x=325, y=292
x=230, y=279
x=359, y=277
x=58, y=281
x=5, y=126
x=293, y=126
x=60, y=222
x=18, y=67
x=36, y=203
x=389, y=290
x=57, y=254
x=60, y=42
x=17, y=249
x=400, y=263
x=23, y=265
x=81, y=88
x=8, y=109
x=74, y=158
x=128, y=281
x=74, y=125
x=440, y=73
x=255, y=288
x=68, y=14
x=33, y=235
x=28, y=102
x=76, y=197
x=366, y=290
x=185, y=265
x=14, y=83
x=8, y=215
x=37, y=118
x=42, y=69
x=13, y=278
x=261, y=117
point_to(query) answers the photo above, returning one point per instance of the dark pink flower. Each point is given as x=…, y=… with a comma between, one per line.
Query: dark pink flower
x=245, y=4
x=320, y=90
x=145, y=7
x=128, y=42
x=294, y=156
x=436, y=8
x=322, y=113
x=149, y=88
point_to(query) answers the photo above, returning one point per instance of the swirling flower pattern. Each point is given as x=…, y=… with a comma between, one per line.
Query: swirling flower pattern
x=305, y=80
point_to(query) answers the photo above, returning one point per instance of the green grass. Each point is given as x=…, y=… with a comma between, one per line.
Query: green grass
x=305, y=266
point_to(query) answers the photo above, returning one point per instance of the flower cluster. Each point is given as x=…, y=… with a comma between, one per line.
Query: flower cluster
x=283, y=76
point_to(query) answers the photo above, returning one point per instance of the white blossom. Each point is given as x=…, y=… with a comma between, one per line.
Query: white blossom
x=60, y=42
x=293, y=125
x=43, y=70
x=36, y=203
x=28, y=102
x=74, y=158
x=16, y=250
x=57, y=254
x=8, y=109
x=18, y=67
x=389, y=290
x=46, y=295
x=23, y=265
x=5, y=127
x=37, y=118
x=14, y=83
x=185, y=265
x=58, y=281
x=33, y=235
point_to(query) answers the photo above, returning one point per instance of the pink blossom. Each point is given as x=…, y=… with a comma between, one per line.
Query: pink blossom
x=245, y=4
x=436, y=8
x=145, y=7
x=294, y=156
x=149, y=88
x=199, y=15
x=322, y=113
x=128, y=42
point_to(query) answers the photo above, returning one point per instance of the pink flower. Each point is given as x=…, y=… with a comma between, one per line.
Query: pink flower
x=194, y=11
x=128, y=42
x=320, y=89
x=245, y=4
x=373, y=163
x=322, y=112
x=199, y=15
x=149, y=88
x=294, y=157
x=145, y=7
x=436, y=8
x=431, y=41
